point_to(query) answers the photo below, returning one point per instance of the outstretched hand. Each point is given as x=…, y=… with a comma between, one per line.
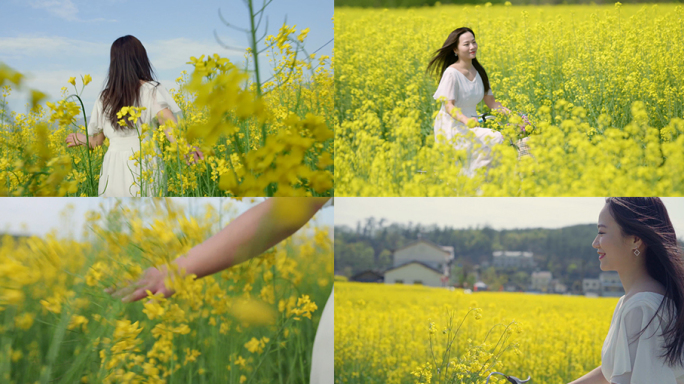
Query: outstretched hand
x=152, y=279
x=72, y=140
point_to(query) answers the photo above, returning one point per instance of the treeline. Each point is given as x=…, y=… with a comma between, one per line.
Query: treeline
x=566, y=252
x=430, y=3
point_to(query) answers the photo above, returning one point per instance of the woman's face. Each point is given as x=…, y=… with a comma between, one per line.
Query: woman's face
x=615, y=250
x=467, y=47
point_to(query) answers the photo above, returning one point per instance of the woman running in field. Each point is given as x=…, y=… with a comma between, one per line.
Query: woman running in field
x=130, y=82
x=646, y=337
x=464, y=83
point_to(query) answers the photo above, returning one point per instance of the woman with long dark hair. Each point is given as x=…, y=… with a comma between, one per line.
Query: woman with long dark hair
x=646, y=337
x=130, y=82
x=464, y=83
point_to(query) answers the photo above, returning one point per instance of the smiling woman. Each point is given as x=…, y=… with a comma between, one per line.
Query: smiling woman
x=645, y=343
x=464, y=83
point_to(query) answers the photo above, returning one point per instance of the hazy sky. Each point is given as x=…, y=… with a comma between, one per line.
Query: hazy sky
x=41, y=215
x=52, y=40
x=497, y=212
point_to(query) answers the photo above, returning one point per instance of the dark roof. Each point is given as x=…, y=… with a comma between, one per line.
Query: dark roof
x=369, y=271
x=415, y=262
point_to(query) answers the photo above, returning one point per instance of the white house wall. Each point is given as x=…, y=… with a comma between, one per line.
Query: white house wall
x=420, y=252
x=411, y=273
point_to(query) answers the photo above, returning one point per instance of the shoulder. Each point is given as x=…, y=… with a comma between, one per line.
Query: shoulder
x=449, y=75
x=449, y=71
x=99, y=105
x=453, y=70
x=150, y=85
x=650, y=300
x=640, y=308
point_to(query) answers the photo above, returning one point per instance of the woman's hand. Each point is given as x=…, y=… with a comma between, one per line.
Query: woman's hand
x=75, y=139
x=152, y=279
x=525, y=123
x=468, y=123
x=196, y=155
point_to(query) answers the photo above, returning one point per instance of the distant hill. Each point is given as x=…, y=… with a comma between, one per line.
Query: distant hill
x=566, y=252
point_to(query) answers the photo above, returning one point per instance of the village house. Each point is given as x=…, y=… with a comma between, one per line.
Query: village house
x=421, y=262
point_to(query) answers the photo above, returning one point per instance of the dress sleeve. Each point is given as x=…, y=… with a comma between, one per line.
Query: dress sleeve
x=448, y=87
x=161, y=99
x=636, y=354
x=490, y=91
x=97, y=119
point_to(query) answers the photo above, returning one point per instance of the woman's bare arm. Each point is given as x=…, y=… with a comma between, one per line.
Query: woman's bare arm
x=164, y=116
x=456, y=113
x=491, y=102
x=593, y=377
x=252, y=233
x=76, y=139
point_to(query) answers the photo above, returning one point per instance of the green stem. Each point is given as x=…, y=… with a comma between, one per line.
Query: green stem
x=275, y=300
x=90, y=167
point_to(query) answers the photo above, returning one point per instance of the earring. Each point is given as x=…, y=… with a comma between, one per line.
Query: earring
x=636, y=252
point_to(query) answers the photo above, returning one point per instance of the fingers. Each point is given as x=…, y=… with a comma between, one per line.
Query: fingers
x=136, y=295
x=195, y=157
x=128, y=291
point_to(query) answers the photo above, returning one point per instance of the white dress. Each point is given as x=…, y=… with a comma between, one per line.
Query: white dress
x=626, y=359
x=119, y=175
x=466, y=95
x=323, y=355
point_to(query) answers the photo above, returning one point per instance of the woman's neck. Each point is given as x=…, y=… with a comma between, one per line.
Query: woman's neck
x=464, y=63
x=635, y=280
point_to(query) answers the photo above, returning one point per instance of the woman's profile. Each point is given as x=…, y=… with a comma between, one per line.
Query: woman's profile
x=646, y=337
x=464, y=83
x=130, y=82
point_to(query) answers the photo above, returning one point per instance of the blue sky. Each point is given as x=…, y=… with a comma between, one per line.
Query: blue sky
x=52, y=40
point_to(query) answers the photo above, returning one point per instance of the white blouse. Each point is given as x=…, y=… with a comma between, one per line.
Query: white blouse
x=153, y=96
x=119, y=175
x=466, y=94
x=626, y=359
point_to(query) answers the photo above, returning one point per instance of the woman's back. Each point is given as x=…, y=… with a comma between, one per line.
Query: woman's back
x=119, y=176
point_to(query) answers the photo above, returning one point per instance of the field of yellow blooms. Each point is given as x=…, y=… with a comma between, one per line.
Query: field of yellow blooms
x=265, y=138
x=416, y=334
x=253, y=323
x=602, y=86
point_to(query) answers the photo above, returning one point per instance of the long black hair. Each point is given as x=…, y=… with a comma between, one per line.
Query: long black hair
x=444, y=57
x=128, y=65
x=647, y=219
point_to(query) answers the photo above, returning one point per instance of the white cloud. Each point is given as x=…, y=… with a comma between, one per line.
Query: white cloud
x=64, y=9
x=46, y=48
x=174, y=53
x=164, y=54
